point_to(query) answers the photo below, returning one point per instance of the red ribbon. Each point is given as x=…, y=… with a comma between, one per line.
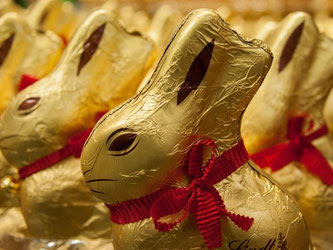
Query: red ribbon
x=200, y=198
x=72, y=148
x=26, y=81
x=297, y=148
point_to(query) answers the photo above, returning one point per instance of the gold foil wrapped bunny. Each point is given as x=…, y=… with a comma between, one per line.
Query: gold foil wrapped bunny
x=23, y=51
x=199, y=90
x=100, y=68
x=297, y=85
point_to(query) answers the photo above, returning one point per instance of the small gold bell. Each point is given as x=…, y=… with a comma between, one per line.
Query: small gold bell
x=10, y=184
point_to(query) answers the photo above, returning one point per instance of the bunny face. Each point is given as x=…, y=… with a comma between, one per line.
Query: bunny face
x=136, y=148
x=298, y=82
x=101, y=67
x=24, y=51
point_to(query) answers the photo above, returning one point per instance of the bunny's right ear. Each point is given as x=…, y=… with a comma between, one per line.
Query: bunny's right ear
x=11, y=26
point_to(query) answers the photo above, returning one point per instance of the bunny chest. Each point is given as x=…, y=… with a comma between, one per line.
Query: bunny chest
x=277, y=220
x=56, y=203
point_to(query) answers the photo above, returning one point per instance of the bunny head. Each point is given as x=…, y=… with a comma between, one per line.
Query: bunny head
x=200, y=88
x=57, y=16
x=298, y=82
x=100, y=68
x=24, y=51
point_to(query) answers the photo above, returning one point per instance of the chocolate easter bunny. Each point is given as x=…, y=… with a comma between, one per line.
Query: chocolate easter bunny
x=289, y=107
x=60, y=17
x=24, y=54
x=144, y=159
x=24, y=51
x=100, y=68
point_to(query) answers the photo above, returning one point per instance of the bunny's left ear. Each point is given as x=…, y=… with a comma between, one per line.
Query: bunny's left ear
x=196, y=73
x=5, y=48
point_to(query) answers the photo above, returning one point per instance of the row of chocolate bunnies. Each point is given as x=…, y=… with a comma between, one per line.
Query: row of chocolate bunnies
x=168, y=166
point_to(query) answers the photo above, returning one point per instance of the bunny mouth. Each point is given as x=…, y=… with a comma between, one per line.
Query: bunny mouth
x=95, y=191
x=100, y=180
x=8, y=137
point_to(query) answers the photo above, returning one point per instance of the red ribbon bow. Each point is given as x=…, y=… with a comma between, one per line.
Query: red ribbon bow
x=26, y=81
x=297, y=148
x=200, y=198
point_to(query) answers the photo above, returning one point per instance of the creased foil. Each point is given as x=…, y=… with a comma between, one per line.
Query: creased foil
x=101, y=67
x=23, y=51
x=162, y=123
x=301, y=87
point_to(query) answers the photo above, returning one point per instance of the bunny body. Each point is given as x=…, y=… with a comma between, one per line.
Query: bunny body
x=301, y=87
x=101, y=67
x=140, y=147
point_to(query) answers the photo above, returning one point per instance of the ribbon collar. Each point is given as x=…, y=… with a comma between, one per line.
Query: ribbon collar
x=200, y=198
x=73, y=147
x=298, y=148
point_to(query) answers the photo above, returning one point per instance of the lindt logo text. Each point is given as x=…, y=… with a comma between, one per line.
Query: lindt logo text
x=280, y=243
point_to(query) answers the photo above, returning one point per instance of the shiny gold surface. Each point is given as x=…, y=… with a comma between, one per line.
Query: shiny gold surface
x=31, y=53
x=301, y=87
x=60, y=17
x=165, y=129
x=100, y=68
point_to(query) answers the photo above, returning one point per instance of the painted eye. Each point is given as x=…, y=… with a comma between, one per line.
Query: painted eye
x=29, y=103
x=123, y=143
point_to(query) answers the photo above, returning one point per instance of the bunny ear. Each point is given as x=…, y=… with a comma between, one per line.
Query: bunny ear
x=196, y=73
x=90, y=47
x=290, y=47
x=43, y=17
x=5, y=48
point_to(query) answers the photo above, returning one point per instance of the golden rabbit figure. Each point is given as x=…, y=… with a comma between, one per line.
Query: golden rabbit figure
x=100, y=68
x=200, y=89
x=298, y=84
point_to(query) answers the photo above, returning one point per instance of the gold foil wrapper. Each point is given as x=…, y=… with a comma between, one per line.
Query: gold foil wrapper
x=100, y=68
x=298, y=86
x=61, y=17
x=24, y=51
x=138, y=147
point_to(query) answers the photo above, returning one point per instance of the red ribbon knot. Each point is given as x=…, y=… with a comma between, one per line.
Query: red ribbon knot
x=298, y=148
x=200, y=198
